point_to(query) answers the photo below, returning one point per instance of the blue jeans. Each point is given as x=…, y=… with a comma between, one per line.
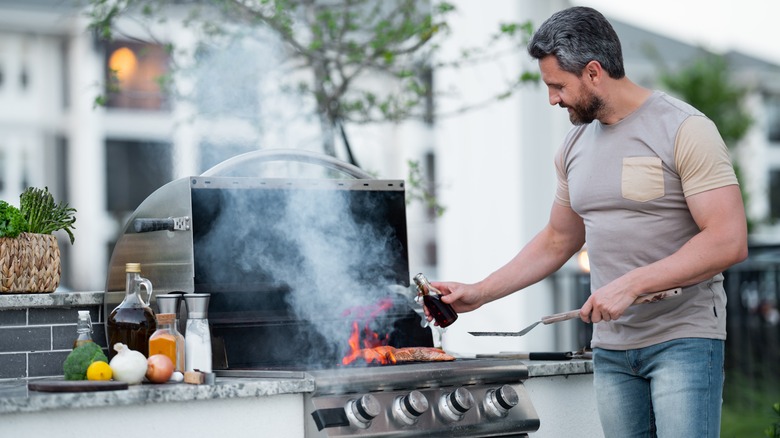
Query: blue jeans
x=673, y=389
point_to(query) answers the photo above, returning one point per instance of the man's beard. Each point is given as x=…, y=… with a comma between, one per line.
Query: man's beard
x=584, y=114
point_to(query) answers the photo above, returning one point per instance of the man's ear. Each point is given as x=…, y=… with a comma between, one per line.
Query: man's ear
x=593, y=72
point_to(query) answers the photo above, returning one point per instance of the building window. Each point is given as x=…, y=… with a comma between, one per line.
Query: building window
x=2, y=169
x=773, y=118
x=774, y=195
x=134, y=170
x=134, y=74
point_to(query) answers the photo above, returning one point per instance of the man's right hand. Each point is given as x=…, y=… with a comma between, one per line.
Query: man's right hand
x=463, y=297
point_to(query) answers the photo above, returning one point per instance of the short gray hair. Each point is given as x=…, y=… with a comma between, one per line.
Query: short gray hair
x=576, y=36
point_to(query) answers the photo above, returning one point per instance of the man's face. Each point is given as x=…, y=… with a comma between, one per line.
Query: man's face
x=569, y=91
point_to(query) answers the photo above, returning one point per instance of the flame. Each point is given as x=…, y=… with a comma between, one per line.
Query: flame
x=367, y=344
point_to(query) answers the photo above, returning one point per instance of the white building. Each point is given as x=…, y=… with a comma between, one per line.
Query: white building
x=493, y=167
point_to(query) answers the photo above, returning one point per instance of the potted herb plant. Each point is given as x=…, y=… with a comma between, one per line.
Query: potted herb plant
x=29, y=253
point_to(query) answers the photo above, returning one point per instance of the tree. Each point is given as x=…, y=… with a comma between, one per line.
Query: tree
x=706, y=84
x=338, y=44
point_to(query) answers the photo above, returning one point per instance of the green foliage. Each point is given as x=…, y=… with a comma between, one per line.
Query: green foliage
x=78, y=360
x=706, y=84
x=12, y=223
x=747, y=399
x=43, y=215
x=773, y=431
x=419, y=189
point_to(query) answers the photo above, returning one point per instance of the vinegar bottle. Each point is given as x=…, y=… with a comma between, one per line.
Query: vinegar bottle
x=83, y=329
x=132, y=321
x=442, y=312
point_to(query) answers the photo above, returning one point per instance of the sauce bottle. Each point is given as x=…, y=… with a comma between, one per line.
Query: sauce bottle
x=165, y=341
x=132, y=321
x=442, y=312
x=83, y=329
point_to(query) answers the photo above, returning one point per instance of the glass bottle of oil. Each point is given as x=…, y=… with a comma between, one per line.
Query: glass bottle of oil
x=83, y=329
x=442, y=312
x=132, y=322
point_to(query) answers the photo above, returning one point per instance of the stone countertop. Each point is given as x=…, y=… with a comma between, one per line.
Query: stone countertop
x=54, y=299
x=15, y=397
x=544, y=368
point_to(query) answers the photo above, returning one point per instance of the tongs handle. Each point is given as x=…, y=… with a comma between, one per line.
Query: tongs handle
x=642, y=299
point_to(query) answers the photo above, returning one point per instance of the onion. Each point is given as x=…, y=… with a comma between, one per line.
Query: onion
x=128, y=365
x=159, y=368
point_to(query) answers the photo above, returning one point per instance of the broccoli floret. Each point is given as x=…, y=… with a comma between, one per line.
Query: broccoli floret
x=77, y=362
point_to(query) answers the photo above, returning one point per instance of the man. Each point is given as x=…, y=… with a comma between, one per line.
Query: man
x=646, y=181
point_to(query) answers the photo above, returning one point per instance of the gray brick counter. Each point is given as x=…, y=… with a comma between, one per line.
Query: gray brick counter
x=37, y=331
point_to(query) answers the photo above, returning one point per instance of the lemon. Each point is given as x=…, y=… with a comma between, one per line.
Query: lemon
x=99, y=370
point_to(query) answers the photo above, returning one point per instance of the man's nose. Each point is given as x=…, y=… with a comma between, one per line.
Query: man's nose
x=554, y=98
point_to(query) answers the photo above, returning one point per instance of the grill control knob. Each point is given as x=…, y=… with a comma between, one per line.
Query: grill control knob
x=455, y=404
x=407, y=409
x=361, y=411
x=499, y=401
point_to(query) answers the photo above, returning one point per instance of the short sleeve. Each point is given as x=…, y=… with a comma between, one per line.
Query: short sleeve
x=701, y=157
x=562, y=189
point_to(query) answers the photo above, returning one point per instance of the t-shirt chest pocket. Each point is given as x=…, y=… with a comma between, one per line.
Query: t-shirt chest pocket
x=642, y=179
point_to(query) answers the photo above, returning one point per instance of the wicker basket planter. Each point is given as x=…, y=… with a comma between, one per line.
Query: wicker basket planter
x=29, y=263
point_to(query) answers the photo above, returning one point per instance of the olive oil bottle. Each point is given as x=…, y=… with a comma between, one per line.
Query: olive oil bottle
x=132, y=322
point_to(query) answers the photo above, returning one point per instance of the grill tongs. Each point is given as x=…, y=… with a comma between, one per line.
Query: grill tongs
x=558, y=317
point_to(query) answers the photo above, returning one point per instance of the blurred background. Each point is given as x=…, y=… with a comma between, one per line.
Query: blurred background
x=103, y=102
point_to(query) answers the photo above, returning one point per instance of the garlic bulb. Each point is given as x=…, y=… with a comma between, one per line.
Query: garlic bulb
x=128, y=365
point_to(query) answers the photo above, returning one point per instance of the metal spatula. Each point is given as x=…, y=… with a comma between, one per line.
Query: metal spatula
x=558, y=317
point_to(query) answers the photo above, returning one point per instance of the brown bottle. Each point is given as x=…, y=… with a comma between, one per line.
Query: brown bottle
x=442, y=312
x=132, y=322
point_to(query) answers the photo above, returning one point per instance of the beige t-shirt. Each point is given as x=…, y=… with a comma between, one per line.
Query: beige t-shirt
x=628, y=181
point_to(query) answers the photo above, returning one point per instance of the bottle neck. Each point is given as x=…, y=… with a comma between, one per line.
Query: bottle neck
x=165, y=321
x=133, y=280
x=425, y=288
x=133, y=287
x=84, y=325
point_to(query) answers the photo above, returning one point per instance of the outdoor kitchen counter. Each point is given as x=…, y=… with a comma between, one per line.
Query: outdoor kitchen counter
x=234, y=407
x=563, y=396
x=16, y=397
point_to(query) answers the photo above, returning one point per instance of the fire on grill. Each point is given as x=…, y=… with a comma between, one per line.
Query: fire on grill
x=367, y=345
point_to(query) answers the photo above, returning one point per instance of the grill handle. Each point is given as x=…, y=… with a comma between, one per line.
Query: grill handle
x=145, y=225
x=301, y=156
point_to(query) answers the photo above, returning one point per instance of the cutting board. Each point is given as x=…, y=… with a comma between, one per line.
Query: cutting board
x=76, y=385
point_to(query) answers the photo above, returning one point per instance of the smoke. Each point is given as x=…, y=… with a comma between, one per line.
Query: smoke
x=330, y=253
x=243, y=96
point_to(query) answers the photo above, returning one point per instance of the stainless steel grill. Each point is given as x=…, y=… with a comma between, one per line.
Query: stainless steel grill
x=293, y=266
